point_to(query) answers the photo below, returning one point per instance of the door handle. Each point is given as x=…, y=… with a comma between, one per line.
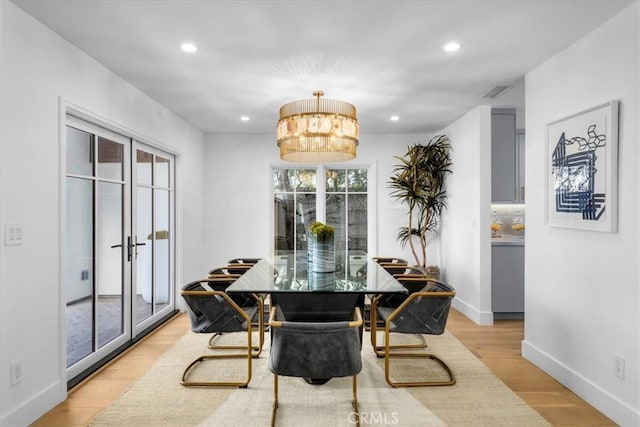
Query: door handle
x=131, y=245
x=129, y=248
x=116, y=246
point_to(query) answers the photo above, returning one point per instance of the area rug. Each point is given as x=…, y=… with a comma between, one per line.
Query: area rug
x=478, y=398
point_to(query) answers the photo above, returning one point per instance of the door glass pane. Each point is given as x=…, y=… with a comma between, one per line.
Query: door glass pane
x=144, y=170
x=335, y=180
x=79, y=268
x=161, y=178
x=144, y=265
x=79, y=152
x=357, y=228
x=336, y=217
x=357, y=179
x=109, y=159
x=109, y=262
x=162, y=248
x=282, y=180
x=305, y=180
x=292, y=214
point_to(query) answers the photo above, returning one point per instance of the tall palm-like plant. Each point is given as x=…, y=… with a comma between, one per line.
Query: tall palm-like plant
x=418, y=182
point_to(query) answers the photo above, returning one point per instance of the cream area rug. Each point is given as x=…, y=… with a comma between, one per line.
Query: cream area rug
x=478, y=398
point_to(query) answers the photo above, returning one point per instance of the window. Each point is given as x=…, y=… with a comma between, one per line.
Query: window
x=334, y=196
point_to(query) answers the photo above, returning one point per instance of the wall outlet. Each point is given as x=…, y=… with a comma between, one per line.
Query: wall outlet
x=84, y=275
x=15, y=373
x=619, y=366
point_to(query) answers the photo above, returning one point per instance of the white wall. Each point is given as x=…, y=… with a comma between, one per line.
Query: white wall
x=38, y=70
x=582, y=293
x=239, y=201
x=466, y=236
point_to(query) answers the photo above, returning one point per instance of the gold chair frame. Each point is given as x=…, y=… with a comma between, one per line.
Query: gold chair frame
x=388, y=354
x=249, y=355
x=379, y=349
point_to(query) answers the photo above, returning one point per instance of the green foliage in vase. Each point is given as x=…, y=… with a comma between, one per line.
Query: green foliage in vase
x=418, y=181
x=322, y=231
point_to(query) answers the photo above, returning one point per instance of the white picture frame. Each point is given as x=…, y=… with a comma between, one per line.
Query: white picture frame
x=582, y=170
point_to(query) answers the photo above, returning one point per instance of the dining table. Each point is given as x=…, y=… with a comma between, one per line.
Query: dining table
x=303, y=294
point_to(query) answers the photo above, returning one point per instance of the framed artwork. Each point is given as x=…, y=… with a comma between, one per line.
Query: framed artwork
x=582, y=170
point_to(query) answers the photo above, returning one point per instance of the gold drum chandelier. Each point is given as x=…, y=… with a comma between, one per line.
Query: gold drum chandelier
x=317, y=130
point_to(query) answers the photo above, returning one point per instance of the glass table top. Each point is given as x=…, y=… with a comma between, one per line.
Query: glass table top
x=284, y=272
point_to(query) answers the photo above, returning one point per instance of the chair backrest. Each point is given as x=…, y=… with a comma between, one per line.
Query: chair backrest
x=224, y=271
x=211, y=310
x=243, y=261
x=315, y=349
x=389, y=260
x=412, y=279
x=424, y=311
x=392, y=265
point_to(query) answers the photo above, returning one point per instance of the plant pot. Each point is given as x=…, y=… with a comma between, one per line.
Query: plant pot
x=431, y=271
x=322, y=255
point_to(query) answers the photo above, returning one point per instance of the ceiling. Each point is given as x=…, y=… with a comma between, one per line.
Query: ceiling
x=385, y=57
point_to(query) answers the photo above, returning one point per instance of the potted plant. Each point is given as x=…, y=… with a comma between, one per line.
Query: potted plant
x=418, y=182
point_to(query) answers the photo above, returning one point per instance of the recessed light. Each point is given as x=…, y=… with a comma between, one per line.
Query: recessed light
x=245, y=118
x=188, y=47
x=394, y=118
x=451, y=47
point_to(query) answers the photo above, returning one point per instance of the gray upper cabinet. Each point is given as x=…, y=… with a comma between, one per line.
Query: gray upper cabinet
x=507, y=158
x=520, y=150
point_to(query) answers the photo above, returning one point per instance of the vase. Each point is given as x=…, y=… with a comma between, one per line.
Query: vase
x=322, y=281
x=322, y=254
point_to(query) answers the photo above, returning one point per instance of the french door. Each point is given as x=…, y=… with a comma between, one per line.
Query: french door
x=118, y=234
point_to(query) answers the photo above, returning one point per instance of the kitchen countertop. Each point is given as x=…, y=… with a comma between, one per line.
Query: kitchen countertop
x=508, y=240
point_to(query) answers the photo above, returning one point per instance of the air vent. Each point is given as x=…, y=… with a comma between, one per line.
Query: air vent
x=496, y=91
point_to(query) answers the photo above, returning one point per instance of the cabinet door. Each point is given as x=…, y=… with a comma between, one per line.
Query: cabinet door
x=503, y=157
x=520, y=150
x=507, y=279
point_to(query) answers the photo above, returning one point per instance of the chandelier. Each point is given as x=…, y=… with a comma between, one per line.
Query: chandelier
x=317, y=130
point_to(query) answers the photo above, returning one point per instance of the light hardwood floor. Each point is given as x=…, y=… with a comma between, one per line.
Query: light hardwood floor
x=498, y=346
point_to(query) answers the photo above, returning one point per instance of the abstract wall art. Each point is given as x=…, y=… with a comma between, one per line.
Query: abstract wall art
x=582, y=170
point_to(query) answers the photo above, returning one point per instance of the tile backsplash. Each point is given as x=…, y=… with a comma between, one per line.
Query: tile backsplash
x=508, y=215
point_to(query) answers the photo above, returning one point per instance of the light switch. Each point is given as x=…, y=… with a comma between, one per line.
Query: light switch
x=12, y=234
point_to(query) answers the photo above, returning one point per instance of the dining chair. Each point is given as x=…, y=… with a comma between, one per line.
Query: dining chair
x=392, y=264
x=212, y=311
x=235, y=270
x=243, y=261
x=315, y=350
x=423, y=312
x=413, y=280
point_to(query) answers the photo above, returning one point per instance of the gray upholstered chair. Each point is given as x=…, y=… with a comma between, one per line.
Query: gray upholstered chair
x=423, y=312
x=212, y=311
x=315, y=351
x=235, y=270
x=412, y=279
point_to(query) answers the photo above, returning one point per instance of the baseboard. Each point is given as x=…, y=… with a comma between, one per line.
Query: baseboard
x=482, y=318
x=30, y=410
x=620, y=412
